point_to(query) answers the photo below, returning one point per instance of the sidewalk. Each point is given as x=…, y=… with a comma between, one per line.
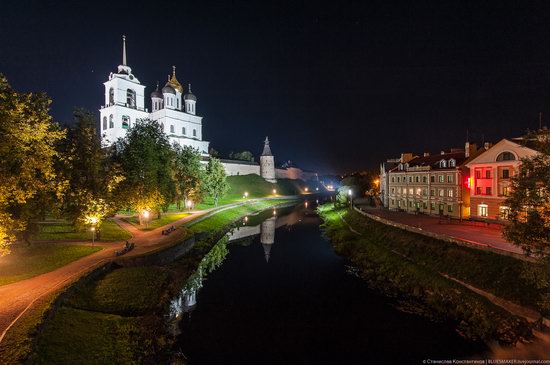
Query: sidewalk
x=490, y=236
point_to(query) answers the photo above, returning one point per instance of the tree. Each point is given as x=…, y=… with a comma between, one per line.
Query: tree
x=242, y=156
x=145, y=158
x=529, y=200
x=215, y=180
x=212, y=152
x=188, y=173
x=28, y=154
x=88, y=200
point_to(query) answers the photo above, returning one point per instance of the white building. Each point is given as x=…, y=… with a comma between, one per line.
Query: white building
x=174, y=110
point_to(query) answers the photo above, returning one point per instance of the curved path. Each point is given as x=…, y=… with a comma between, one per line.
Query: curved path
x=19, y=297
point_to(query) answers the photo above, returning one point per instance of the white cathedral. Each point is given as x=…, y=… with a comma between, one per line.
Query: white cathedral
x=175, y=111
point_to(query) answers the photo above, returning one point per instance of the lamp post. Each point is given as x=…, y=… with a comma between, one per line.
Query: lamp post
x=146, y=216
x=93, y=236
x=189, y=204
x=350, y=193
x=245, y=194
x=274, y=191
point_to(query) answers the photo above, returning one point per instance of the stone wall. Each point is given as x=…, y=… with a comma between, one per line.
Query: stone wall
x=233, y=168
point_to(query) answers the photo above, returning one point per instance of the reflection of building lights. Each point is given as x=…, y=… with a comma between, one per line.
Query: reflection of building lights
x=246, y=219
x=306, y=204
x=274, y=212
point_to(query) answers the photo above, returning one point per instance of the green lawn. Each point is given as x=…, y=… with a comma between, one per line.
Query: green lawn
x=218, y=220
x=76, y=337
x=27, y=261
x=63, y=231
x=165, y=218
x=124, y=291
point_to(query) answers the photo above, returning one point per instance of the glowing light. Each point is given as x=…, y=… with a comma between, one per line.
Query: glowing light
x=145, y=214
x=246, y=194
x=189, y=204
x=349, y=192
x=274, y=191
x=317, y=189
x=274, y=212
x=92, y=229
x=246, y=219
x=469, y=182
x=307, y=189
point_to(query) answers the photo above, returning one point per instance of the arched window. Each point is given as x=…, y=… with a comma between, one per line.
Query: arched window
x=104, y=123
x=452, y=163
x=111, y=121
x=178, y=103
x=506, y=156
x=442, y=163
x=111, y=96
x=131, y=98
x=183, y=130
x=125, y=122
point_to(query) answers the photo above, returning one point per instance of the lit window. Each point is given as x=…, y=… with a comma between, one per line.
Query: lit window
x=410, y=191
x=449, y=178
x=441, y=192
x=450, y=193
x=418, y=190
x=504, y=212
x=441, y=178
x=482, y=210
x=505, y=190
x=125, y=122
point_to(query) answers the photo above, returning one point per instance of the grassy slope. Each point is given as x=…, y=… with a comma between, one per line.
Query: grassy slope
x=165, y=219
x=375, y=254
x=62, y=231
x=27, y=261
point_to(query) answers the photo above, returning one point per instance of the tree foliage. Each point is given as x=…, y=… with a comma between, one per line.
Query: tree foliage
x=188, y=173
x=242, y=156
x=144, y=158
x=215, y=180
x=529, y=200
x=28, y=155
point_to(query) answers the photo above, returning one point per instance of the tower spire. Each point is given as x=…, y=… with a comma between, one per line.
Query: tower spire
x=123, y=50
x=174, y=71
x=189, y=87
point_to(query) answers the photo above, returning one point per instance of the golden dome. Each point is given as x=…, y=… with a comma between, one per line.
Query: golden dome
x=174, y=81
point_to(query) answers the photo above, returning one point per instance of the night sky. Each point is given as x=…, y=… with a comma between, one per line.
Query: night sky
x=337, y=86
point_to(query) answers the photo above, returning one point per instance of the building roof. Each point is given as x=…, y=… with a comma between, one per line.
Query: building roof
x=433, y=161
x=267, y=149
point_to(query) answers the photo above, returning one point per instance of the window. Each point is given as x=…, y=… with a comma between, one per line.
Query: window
x=393, y=190
x=398, y=179
x=162, y=127
x=131, y=98
x=418, y=191
x=425, y=205
x=449, y=208
x=478, y=173
x=399, y=190
x=478, y=190
x=442, y=163
x=172, y=128
x=410, y=191
x=452, y=163
x=432, y=178
x=410, y=204
x=505, y=174
x=194, y=132
x=424, y=179
x=506, y=156
x=399, y=203
x=432, y=192
x=104, y=122
x=392, y=202
x=449, y=178
x=111, y=96
x=125, y=122
x=504, y=212
x=183, y=132
x=178, y=103
x=487, y=174
x=432, y=206
x=441, y=178
x=111, y=121
x=392, y=178
x=424, y=191
x=410, y=179
x=416, y=179
x=506, y=191
x=482, y=210
x=441, y=192
x=488, y=190
x=450, y=193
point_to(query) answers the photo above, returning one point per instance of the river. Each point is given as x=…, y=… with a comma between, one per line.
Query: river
x=282, y=296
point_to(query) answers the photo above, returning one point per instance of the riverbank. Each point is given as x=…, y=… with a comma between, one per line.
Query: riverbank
x=120, y=315
x=411, y=268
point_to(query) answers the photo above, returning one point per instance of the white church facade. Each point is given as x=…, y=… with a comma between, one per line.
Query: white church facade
x=174, y=110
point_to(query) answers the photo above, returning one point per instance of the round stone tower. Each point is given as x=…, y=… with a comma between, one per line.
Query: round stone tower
x=267, y=163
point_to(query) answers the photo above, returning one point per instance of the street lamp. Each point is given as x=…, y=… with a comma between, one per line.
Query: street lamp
x=189, y=204
x=245, y=194
x=350, y=198
x=93, y=235
x=146, y=216
x=307, y=189
x=274, y=191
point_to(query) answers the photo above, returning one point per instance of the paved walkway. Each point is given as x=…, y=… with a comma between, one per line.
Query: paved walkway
x=472, y=232
x=17, y=298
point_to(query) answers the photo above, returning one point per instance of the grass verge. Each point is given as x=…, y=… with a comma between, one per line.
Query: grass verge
x=165, y=219
x=392, y=268
x=63, y=231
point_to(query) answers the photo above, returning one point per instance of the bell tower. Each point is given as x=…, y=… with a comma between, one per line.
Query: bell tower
x=267, y=163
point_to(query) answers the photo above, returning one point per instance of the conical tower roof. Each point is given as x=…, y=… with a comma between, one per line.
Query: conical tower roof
x=267, y=149
x=267, y=251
